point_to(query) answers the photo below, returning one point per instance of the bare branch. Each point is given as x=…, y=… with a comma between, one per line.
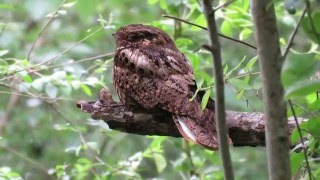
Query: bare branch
x=220, y=111
x=316, y=34
x=201, y=27
x=44, y=28
x=293, y=35
x=301, y=139
x=226, y=4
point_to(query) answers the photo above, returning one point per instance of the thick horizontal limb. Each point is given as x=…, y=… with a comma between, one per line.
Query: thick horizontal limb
x=245, y=128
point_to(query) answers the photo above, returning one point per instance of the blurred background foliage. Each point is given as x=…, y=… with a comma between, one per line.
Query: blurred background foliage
x=54, y=53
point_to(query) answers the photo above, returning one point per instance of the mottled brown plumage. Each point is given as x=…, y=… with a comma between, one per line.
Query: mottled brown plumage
x=150, y=72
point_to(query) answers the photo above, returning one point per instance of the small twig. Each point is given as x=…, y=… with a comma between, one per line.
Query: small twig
x=201, y=27
x=71, y=47
x=57, y=65
x=187, y=150
x=226, y=4
x=293, y=34
x=81, y=136
x=311, y=21
x=13, y=100
x=38, y=166
x=221, y=126
x=301, y=138
x=44, y=28
x=243, y=75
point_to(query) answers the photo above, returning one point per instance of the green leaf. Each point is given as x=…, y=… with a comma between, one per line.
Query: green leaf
x=183, y=42
x=86, y=9
x=225, y=69
x=302, y=88
x=160, y=161
x=298, y=68
x=152, y=1
x=314, y=105
x=94, y=146
x=296, y=160
x=6, y=6
x=200, y=83
x=307, y=27
x=51, y=90
x=156, y=144
x=100, y=123
x=245, y=34
x=295, y=136
x=250, y=64
x=240, y=94
x=239, y=83
x=27, y=78
x=226, y=28
x=86, y=89
x=312, y=125
x=205, y=99
x=236, y=68
x=163, y=4
x=69, y=5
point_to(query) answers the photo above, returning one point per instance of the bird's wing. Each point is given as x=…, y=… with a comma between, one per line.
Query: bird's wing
x=158, y=77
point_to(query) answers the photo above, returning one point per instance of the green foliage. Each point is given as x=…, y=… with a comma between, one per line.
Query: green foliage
x=50, y=58
x=7, y=173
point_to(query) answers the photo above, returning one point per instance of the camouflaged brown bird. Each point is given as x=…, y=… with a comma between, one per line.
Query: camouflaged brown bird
x=150, y=72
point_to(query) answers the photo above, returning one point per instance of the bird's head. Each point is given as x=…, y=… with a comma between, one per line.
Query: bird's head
x=137, y=35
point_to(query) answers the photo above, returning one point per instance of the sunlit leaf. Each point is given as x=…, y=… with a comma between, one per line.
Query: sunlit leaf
x=6, y=6
x=160, y=161
x=3, y=52
x=51, y=90
x=312, y=125
x=225, y=69
x=226, y=28
x=205, y=99
x=296, y=160
x=240, y=94
x=94, y=146
x=297, y=69
x=295, y=136
x=250, y=64
x=307, y=26
x=245, y=34
x=239, y=83
x=86, y=89
x=236, y=68
x=152, y=1
x=70, y=4
x=100, y=123
x=302, y=88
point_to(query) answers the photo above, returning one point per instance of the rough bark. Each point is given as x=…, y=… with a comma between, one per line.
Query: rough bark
x=271, y=61
x=244, y=128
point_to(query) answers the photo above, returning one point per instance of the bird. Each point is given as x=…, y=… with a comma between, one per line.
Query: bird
x=149, y=72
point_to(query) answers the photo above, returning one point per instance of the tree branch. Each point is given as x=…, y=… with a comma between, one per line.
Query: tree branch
x=293, y=35
x=244, y=128
x=271, y=61
x=220, y=112
x=204, y=28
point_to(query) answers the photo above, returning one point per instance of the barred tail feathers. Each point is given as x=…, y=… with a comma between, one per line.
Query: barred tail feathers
x=201, y=131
